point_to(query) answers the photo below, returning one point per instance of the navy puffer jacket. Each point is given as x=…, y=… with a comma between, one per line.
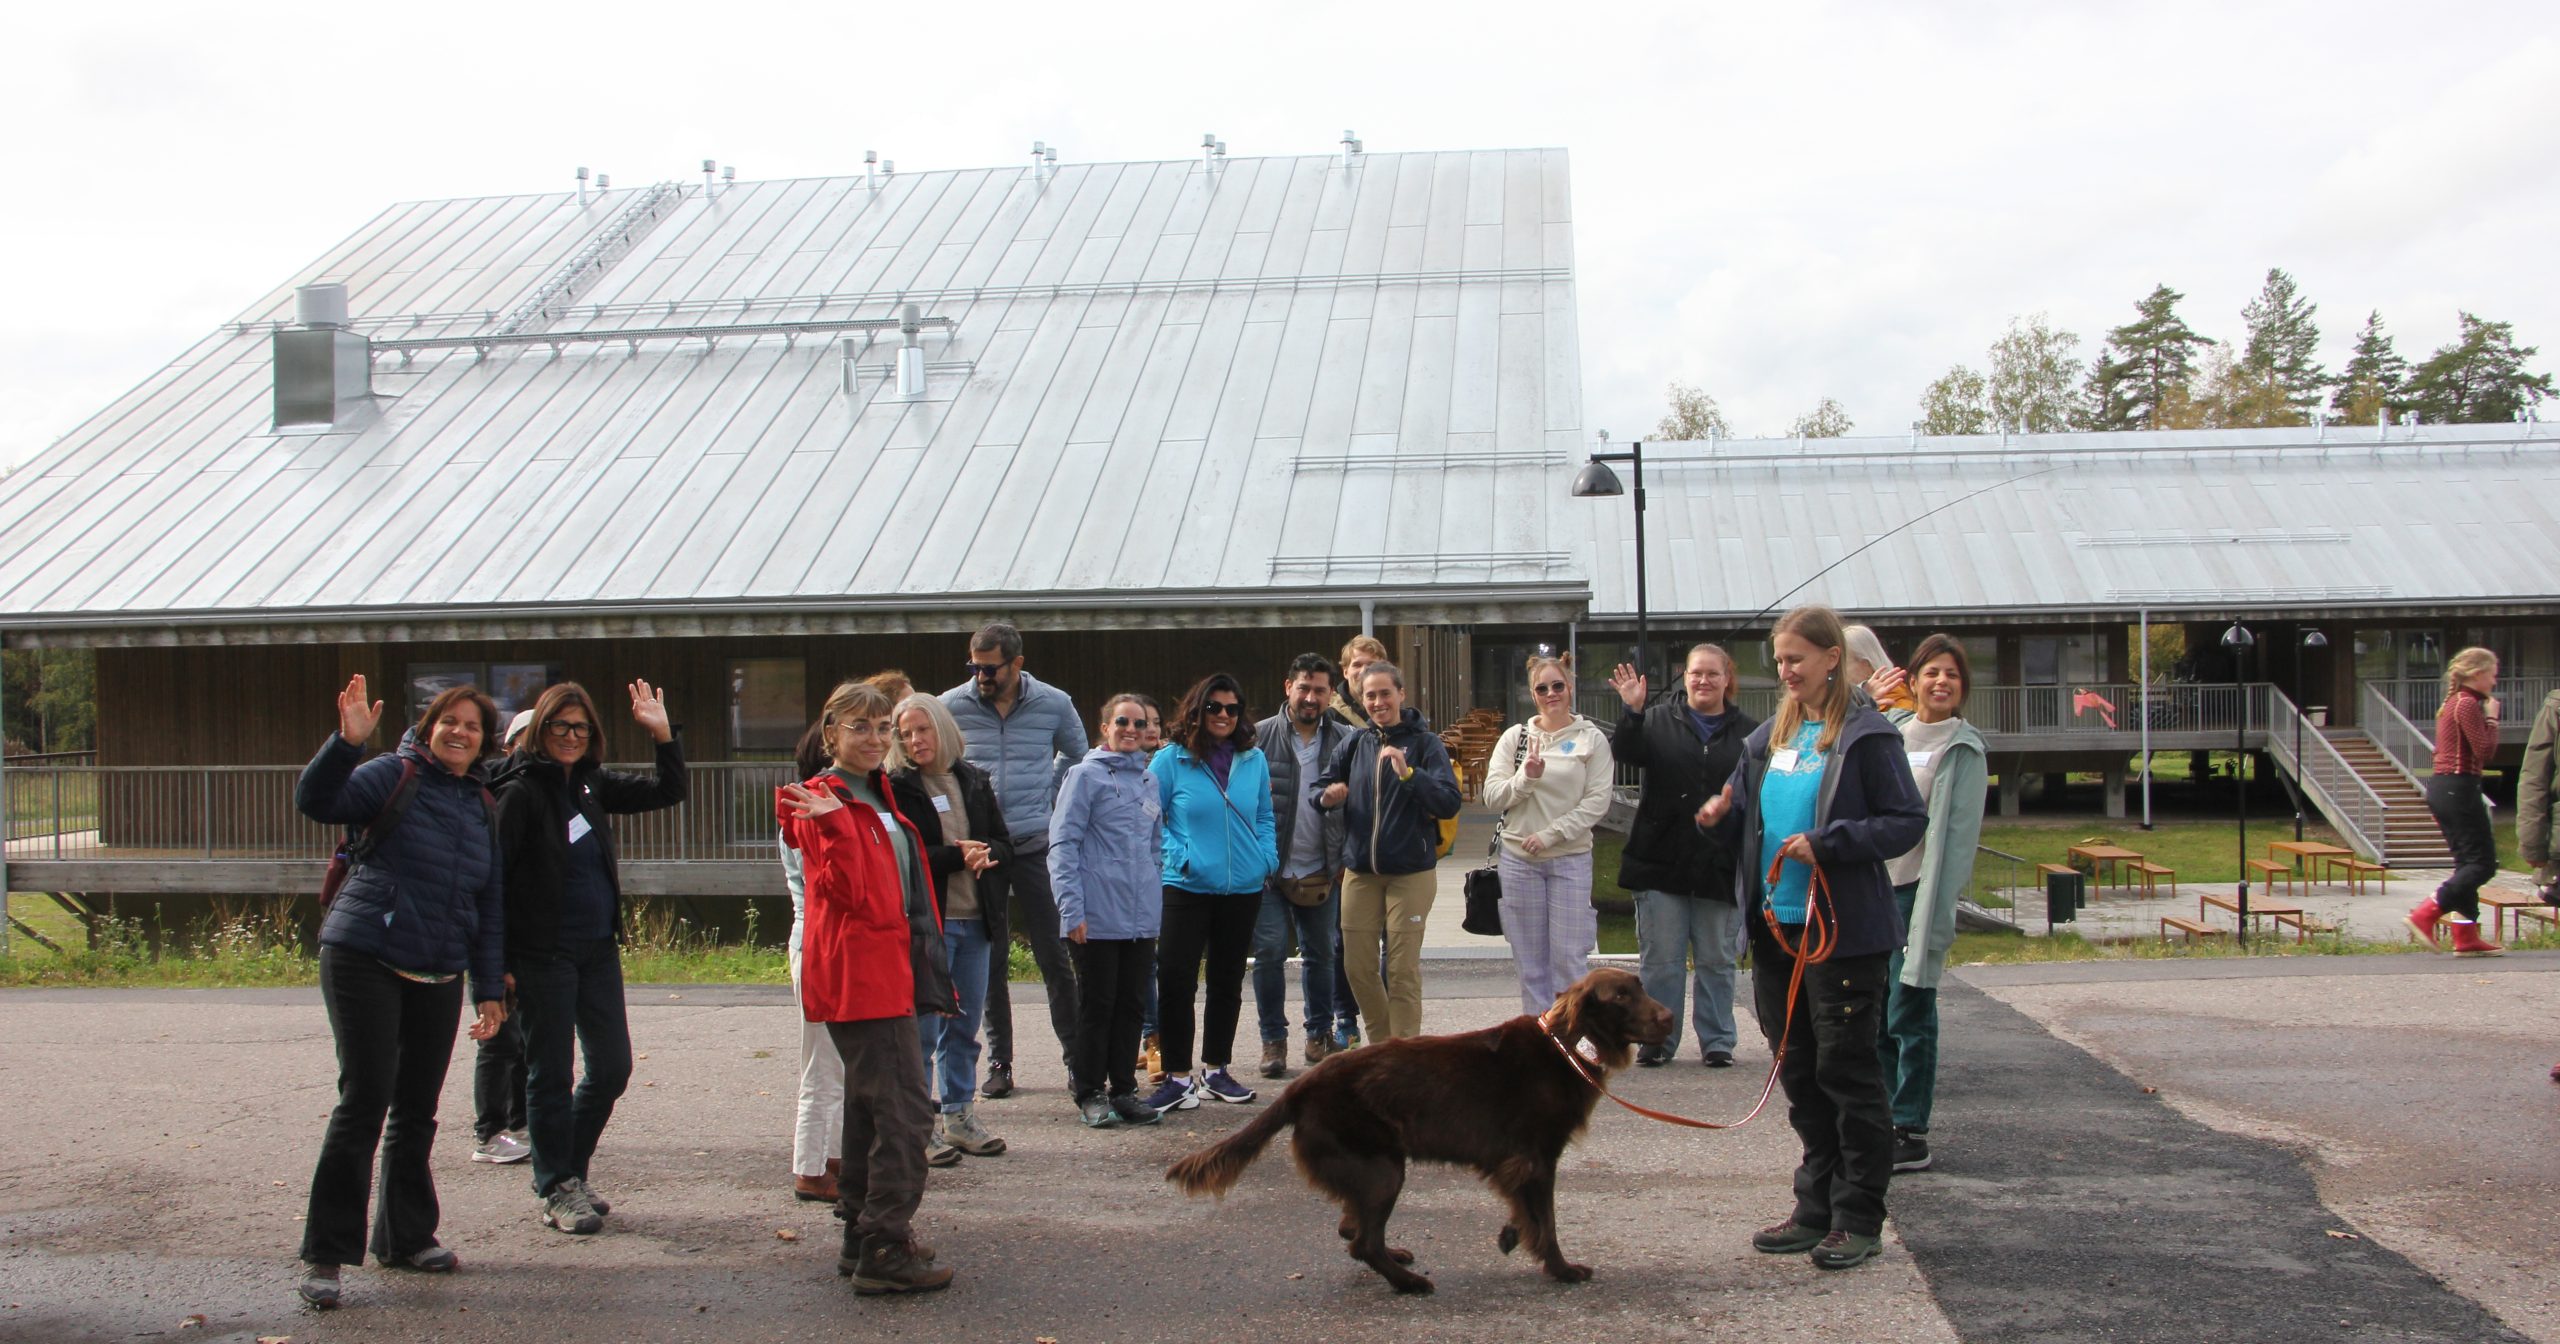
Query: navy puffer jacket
x=430, y=899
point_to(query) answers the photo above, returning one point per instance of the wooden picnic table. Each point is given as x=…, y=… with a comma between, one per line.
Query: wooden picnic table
x=2103, y=857
x=2306, y=853
x=2283, y=912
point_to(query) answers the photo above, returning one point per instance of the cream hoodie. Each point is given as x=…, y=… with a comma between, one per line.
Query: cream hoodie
x=1567, y=799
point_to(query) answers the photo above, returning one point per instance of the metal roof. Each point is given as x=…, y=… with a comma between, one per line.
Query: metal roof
x=2065, y=525
x=1283, y=378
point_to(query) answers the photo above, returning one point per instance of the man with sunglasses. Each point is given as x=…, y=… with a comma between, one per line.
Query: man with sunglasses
x=1025, y=734
x=1306, y=898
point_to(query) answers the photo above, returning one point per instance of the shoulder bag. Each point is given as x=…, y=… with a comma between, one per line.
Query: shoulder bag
x=1484, y=885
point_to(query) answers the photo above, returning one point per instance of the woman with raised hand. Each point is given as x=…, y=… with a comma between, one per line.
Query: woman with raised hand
x=1824, y=784
x=1221, y=844
x=2466, y=737
x=564, y=927
x=953, y=805
x=1104, y=857
x=421, y=906
x=1551, y=779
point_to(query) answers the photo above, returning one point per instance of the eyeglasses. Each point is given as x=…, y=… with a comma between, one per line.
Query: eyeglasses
x=985, y=671
x=1549, y=688
x=567, y=729
x=1128, y=723
x=1225, y=709
x=863, y=728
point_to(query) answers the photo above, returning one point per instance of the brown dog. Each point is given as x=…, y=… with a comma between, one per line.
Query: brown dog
x=1503, y=1101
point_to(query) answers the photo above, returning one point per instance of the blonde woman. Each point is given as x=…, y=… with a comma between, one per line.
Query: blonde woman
x=2466, y=737
x=1550, y=779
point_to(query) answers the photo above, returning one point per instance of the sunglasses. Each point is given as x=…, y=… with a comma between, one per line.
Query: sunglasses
x=1128, y=723
x=1225, y=709
x=1549, y=688
x=563, y=728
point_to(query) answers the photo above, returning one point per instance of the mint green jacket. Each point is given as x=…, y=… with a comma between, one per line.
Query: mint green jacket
x=1946, y=854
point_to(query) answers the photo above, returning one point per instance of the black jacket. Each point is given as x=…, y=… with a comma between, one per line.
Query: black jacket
x=1279, y=741
x=1402, y=815
x=1665, y=849
x=986, y=822
x=535, y=800
x=1868, y=813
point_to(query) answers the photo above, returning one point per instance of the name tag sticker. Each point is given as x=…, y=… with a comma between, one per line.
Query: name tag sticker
x=578, y=827
x=1564, y=748
x=1919, y=759
x=1783, y=763
x=941, y=803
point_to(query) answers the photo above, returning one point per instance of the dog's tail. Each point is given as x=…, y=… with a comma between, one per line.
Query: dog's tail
x=1215, y=1169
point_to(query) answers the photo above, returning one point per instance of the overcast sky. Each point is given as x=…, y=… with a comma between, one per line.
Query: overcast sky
x=1778, y=202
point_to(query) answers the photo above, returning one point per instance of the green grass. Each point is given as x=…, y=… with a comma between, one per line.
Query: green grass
x=32, y=801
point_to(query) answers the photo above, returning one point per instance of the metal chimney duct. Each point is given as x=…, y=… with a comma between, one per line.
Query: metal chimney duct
x=911, y=353
x=324, y=372
x=321, y=305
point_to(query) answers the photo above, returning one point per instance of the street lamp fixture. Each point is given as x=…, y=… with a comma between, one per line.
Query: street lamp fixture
x=2239, y=641
x=1596, y=481
x=2311, y=639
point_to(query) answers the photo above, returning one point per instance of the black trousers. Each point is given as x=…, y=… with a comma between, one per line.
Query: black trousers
x=887, y=1121
x=394, y=1038
x=1110, y=975
x=1222, y=926
x=1036, y=915
x=1834, y=1081
x=497, y=1079
x=2464, y=814
x=571, y=996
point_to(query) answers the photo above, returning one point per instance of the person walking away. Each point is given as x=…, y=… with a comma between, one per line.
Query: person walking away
x=1688, y=928
x=497, y=1067
x=427, y=850
x=1024, y=734
x=1950, y=767
x=2466, y=738
x=564, y=927
x=1825, y=782
x=1394, y=785
x=1105, y=859
x=1220, y=850
x=1306, y=898
x=872, y=959
x=953, y=805
x=1551, y=778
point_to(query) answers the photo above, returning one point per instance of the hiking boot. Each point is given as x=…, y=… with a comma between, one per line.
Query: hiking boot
x=1275, y=1059
x=820, y=1189
x=1787, y=1238
x=960, y=1130
x=318, y=1286
x=1096, y=1113
x=886, y=1266
x=567, y=1209
x=1845, y=1250
x=1221, y=1085
x=1319, y=1045
x=938, y=1153
x=1910, y=1149
x=1133, y=1111
x=1151, y=1059
x=596, y=1201
x=2423, y=919
x=502, y=1148
x=1175, y=1095
x=999, y=1083
x=426, y=1260
x=2467, y=941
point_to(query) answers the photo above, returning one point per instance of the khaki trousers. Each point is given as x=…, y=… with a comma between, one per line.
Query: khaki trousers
x=1389, y=910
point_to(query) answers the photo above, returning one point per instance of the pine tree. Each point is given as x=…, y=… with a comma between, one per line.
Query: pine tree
x=1955, y=404
x=2155, y=366
x=1694, y=415
x=2283, y=346
x=2100, y=405
x=2374, y=383
x=2478, y=378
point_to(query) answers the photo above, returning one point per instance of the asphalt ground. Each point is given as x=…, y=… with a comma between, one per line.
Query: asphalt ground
x=159, y=1144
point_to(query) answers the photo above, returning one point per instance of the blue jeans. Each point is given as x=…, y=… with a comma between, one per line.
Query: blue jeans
x=1318, y=928
x=571, y=993
x=1675, y=933
x=951, y=1043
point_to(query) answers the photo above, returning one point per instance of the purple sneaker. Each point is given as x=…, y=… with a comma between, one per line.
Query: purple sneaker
x=1222, y=1086
x=1174, y=1095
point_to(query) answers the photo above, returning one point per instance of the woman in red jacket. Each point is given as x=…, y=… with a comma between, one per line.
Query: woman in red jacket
x=2466, y=737
x=871, y=958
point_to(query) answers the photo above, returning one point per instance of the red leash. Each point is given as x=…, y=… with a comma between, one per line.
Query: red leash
x=1821, y=932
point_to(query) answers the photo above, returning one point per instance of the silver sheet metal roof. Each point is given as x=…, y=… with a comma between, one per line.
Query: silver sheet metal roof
x=1283, y=379
x=2069, y=525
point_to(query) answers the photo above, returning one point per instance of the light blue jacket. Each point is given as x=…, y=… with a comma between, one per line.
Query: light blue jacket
x=1216, y=843
x=1103, y=847
x=1027, y=753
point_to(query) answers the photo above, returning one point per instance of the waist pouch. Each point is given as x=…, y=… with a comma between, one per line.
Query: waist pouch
x=1312, y=890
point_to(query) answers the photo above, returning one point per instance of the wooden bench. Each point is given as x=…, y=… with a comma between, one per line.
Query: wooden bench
x=2191, y=928
x=2356, y=869
x=2501, y=902
x=2304, y=924
x=2549, y=916
x=2271, y=869
x=2150, y=873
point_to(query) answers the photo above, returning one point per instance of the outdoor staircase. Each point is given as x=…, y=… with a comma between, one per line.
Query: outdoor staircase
x=2413, y=840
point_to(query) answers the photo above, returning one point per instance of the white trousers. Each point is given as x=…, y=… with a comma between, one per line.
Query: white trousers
x=818, y=1133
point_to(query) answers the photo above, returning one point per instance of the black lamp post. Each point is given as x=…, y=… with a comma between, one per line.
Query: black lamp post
x=2311, y=639
x=2238, y=640
x=1596, y=481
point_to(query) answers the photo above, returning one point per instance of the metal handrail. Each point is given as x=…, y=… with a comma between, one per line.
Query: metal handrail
x=2361, y=815
x=2407, y=746
x=2418, y=698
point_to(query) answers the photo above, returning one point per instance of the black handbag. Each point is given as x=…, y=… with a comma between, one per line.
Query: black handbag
x=1484, y=885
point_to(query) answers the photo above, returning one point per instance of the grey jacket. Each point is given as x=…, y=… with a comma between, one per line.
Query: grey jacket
x=1026, y=752
x=2533, y=786
x=1946, y=855
x=1279, y=739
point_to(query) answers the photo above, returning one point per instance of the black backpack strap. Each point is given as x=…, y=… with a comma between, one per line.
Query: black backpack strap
x=362, y=840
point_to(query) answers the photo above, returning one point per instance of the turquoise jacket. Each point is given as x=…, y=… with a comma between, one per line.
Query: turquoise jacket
x=1217, y=842
x=1946, y=855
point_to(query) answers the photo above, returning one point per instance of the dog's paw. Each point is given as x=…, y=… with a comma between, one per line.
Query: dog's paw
x=1567, y=1272
x=1400, y=1255
x=1509, y=1240
x=1415, y=1283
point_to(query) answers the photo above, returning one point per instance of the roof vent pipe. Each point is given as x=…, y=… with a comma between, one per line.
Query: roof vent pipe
x=321, y=305
x=852, y=366
x=604, y=182
x=728, y=178
x=870, y=161
x=911, y=353
x=582, y=188
x=1350, y=148
x=323, y=371
x=709, y=167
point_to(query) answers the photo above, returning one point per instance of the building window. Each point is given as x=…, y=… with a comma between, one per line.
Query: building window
x=429, y=680
x=515, y=686
x=768, y=704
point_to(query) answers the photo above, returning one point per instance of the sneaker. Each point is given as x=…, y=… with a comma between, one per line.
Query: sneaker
x=999, y=1083
x=1788, y=1238
x=887, y=1266
x=940, y=1154
x=318, y=1286
x=1222, y=1086
x=1319, y=1045
x=1096, y=1113
x=1910, y=1149
x=567, y=1209
x=960, y=1130
x=1175, y=1095
x=1846, y=1250
x=596, y=1201
x=1346, y=1037
x=1719, y=1059
x=1275, y=1059
x=430, y=1260
x=1133, y=1111
x=1653, y=1056
x=502, y=1148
